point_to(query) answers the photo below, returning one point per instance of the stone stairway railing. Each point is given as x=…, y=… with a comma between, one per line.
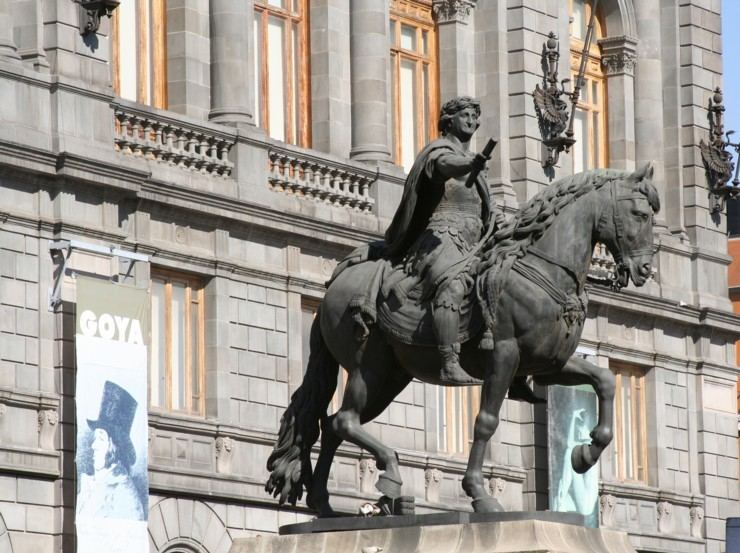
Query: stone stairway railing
x=321, y=179
x=175, y=140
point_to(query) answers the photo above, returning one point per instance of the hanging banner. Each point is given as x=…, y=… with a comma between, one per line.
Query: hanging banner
x=572, y=413
x=112, y=428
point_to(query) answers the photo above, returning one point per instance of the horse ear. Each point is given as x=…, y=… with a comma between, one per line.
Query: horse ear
x=645, y=172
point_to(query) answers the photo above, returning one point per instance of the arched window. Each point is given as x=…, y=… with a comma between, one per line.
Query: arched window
x=282, y=80
x=139, y=52
x=591, y=148
x=414, y=81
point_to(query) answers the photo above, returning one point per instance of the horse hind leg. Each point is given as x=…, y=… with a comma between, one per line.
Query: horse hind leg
x=318, y=496
x=371, y=387
x=580, y=371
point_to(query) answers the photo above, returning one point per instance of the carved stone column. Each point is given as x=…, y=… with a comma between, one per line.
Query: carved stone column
x=232, y=61
x=607, y=504
x=8, y=48
x=697, y=521
x=370, y=62
x=665, y=517
x=48, y=420
x=455, y=45
x=224, y=453
x=368, y=476
x=618, y=58
x=649, y=97
x=432, y=482
x=496, y=486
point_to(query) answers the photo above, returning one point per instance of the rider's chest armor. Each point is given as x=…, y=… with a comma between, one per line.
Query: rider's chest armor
x=458, y=212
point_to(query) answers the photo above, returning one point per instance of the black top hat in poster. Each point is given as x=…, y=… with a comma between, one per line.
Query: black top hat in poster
x=112, y=429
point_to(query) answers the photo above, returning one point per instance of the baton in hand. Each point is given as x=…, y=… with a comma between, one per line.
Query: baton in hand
x=487, y=151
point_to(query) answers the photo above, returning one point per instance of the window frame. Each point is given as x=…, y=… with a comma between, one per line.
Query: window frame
x=416, y=14
x=263, y=10
x=638, y=423
x=455, y=426
x=594, y=74
x=193, y=285
x=151, y=53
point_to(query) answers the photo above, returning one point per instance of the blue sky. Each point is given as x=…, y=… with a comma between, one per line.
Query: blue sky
x=731, y=64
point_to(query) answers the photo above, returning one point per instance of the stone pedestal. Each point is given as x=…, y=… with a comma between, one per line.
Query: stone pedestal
x=544, y=532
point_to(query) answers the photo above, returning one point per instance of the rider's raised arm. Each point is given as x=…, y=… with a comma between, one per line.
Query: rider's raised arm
x=452, y=166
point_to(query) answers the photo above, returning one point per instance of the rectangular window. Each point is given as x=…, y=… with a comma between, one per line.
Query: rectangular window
x=456, y=412
x=139, y=52
x=177, y=361
x=590, y=149
x=630, y=445
x=413, y=78
x=282, y=78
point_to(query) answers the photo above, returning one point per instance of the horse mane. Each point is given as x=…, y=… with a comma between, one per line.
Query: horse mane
x=514, y=238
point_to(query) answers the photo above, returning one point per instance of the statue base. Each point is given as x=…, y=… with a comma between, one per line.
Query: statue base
x=507, y=532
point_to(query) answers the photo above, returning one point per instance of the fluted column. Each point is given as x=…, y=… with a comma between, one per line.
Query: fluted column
x=232, y=71
x=649, y=96
x=8, y=49
x=370, y=66
x=618, y=58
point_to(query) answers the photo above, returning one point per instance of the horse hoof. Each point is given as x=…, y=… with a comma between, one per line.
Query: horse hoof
x=581, y=459
x=389, y=486
x=487, y=505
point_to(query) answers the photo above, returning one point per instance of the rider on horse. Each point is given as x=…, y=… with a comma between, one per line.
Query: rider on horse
x=444, y=213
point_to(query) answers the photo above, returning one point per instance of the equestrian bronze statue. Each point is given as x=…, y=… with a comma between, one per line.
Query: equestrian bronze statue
x=457, y=295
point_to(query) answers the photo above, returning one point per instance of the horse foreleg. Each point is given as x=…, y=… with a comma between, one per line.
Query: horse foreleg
x=498, y=377
x=579, y=371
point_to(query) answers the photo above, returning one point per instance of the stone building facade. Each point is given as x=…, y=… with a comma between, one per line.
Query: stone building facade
x=253, y=217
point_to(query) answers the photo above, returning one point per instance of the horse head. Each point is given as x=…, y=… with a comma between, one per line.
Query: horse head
x=626, y=225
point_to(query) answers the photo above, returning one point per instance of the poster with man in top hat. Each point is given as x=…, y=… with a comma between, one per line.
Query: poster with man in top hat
x=112, y=428
x=107, y=487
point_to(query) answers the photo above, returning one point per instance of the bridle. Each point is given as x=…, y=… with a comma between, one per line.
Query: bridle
x=618, y=253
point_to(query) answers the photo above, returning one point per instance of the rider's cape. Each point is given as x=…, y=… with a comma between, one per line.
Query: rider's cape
x=421, y=196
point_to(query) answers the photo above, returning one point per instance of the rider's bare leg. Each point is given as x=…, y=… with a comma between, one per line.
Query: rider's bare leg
x=501, y=369
x=580, y=371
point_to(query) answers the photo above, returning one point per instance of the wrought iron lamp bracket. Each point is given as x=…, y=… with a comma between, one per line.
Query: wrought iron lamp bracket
x=717, y=159
x=91, y=12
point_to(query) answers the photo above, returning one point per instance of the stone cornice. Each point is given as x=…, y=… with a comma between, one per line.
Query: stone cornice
x=452, y=11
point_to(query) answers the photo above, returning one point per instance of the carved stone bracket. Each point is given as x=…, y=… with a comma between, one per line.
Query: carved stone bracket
x=368, y=475
x=607, y=504
x=496, y=486
x=452, y=11
x=48, y=420
x=224, y=454
x=618, y=55
x=665, y=517
x=697, y=521
x=432, y=482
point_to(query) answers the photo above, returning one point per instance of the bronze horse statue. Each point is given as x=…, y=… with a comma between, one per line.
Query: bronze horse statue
x=530, y=286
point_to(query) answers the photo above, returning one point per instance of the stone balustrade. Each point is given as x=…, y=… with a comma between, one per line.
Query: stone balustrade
x=320, y=179
x=191, y=145
x=602, y=265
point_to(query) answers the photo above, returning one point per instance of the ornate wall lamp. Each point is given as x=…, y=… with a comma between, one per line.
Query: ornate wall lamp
x=552, y=111
x=717, y=160
x=91, y=11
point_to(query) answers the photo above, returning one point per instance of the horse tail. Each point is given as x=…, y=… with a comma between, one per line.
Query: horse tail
x=290, y=461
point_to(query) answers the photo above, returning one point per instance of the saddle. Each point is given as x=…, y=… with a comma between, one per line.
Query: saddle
x=409, y=319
